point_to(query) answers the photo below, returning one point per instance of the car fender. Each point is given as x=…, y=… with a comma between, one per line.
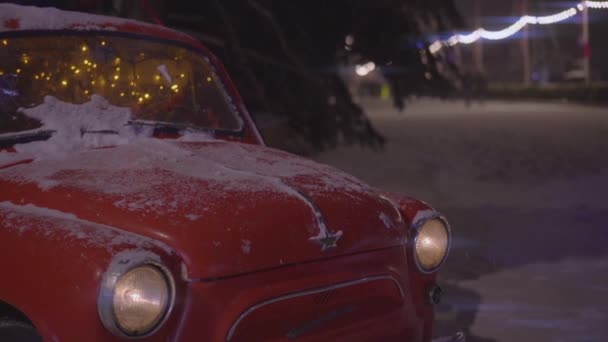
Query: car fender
x=53, y=265
x=414, y=212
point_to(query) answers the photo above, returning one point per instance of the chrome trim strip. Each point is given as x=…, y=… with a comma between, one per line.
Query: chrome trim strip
x=395, y=207
x=251, y=309
x=297, y=193
x=313, y=206
x=326, y=239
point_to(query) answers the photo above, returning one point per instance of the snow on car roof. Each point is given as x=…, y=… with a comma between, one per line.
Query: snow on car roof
x=16, y=17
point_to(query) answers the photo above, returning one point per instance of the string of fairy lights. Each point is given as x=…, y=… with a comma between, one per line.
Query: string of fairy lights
x=482, y=33
x=116, y=75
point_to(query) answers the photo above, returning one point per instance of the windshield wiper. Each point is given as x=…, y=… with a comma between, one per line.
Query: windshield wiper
x=170, y=127
x=11, y=140
x=99, y=131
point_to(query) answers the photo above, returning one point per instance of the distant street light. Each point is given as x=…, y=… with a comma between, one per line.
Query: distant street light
x=363, y=70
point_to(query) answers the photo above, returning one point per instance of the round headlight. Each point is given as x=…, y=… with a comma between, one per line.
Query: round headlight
x=431, y=244
x=141, y=300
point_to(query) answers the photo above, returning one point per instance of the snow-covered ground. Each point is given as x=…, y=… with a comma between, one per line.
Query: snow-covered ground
x=525, y=186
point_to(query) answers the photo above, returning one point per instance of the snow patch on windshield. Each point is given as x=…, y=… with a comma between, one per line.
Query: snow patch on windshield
x=60, y=225
x=196, y=136
x=77, y=127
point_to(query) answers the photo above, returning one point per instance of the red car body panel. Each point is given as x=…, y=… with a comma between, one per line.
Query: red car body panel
x=222, y=218
x=344, y=312
x=240, y=227
x=56, y=267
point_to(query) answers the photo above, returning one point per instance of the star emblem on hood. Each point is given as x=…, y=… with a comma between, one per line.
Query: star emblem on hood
x=328, y=240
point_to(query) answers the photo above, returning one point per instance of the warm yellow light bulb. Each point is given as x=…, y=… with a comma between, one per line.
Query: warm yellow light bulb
x=86, y=61
x=64, y=83
x=182, y=75
x=18, y=70
x=72, y=67
x=4, y=42
x=77, y=71
x=103, y=43
x=175, y=86
x=122, y=94
x=209, y=79
x=115, y=77
x=112, y=85
x=93, y=82
x=84, y=48
x=140, y=99
x=146, y=95
x=86, y=92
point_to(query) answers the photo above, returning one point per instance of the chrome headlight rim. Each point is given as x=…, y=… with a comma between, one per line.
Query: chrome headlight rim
x=118, y=268
x=417, y=226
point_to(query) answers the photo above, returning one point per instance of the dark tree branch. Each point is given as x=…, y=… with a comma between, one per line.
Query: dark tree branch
x=296, y=73
x=235, y=46
x=278, y=32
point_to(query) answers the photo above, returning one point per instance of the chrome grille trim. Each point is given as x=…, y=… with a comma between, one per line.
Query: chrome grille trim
x=288, y=296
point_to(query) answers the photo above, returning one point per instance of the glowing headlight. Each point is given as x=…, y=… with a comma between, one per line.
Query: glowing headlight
x=431, y=245
x=141, y=299
x=136, y=296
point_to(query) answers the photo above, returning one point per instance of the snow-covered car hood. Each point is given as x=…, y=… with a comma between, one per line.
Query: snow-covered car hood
x=227, y=208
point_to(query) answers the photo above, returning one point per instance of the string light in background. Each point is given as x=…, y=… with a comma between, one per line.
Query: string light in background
x=597, y=4
x=482, y=33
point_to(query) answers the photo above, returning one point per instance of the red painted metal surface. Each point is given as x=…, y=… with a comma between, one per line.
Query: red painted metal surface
x=215, y=307
x=53, y=275
x=231, y=247
x=276, y=224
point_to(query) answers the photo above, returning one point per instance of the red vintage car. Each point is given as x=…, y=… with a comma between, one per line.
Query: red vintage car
x=138, y=201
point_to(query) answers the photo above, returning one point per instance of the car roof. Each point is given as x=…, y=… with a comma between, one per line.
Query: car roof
x=30, y=18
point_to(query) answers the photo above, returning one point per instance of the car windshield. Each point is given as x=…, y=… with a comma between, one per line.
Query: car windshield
x=158, y=81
